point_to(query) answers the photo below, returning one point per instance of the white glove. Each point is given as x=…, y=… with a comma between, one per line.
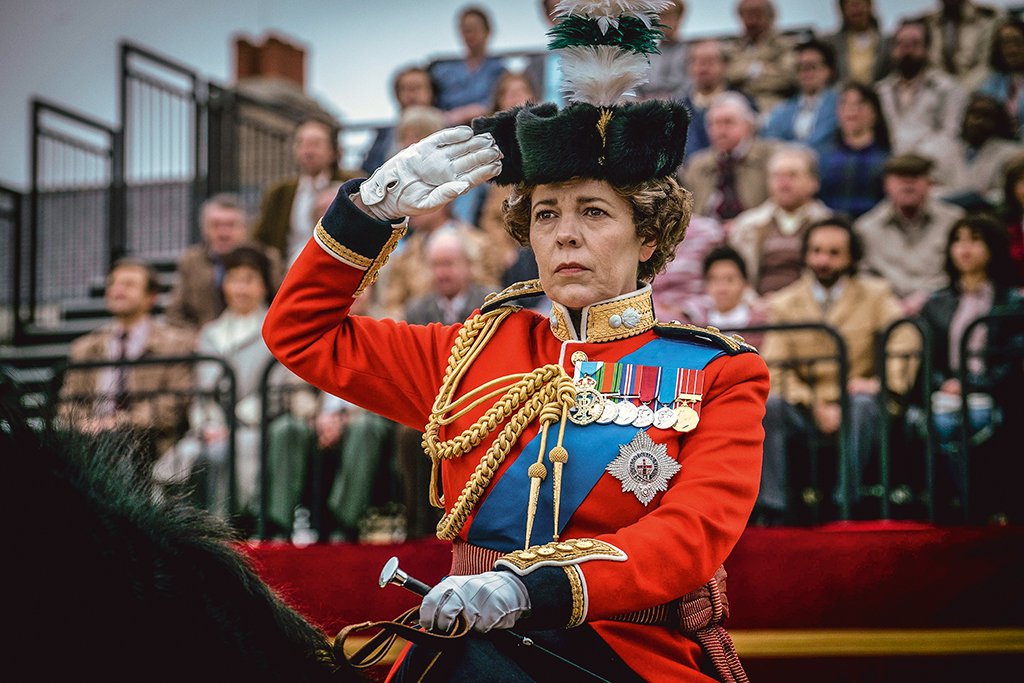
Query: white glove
x=487, y=601
x=430, y=173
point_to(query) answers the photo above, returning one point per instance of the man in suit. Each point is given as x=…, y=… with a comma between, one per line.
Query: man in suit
x=453, y=297
x=730, y=176
x=147, y=400
x=761, y=58
x=196, y=297
x=284, y=212
x=806, y=398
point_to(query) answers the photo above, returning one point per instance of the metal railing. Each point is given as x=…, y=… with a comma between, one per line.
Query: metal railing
x=75, y=227
x=11, y=237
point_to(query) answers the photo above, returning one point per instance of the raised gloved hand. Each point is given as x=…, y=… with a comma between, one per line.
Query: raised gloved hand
x=430, y=173
x=487, y=601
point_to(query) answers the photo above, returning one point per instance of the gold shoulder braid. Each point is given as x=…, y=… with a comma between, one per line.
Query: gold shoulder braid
x=546, y=392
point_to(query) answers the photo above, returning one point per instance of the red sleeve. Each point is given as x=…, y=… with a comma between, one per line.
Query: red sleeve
x=678, y=546
x=390, y=368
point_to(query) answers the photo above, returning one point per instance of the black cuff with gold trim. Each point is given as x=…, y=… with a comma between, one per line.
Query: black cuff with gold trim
x=557, y=598
x=356, y=238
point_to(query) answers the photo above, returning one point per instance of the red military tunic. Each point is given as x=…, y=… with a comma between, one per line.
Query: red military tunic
x=673, y=544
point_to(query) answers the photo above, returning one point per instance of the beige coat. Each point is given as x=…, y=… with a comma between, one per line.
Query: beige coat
x=936, y=111
x=864, y=309
x=765, y=70
x=977, y=28
x=164, y=412
x=701, y=175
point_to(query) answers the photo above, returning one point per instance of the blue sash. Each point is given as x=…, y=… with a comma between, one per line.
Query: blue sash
x=500, y=520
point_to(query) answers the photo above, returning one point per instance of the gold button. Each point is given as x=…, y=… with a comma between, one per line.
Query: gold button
x=545, y=551
x=584, y=544
x=564, y=547
x=578, y=357
x=526, y=555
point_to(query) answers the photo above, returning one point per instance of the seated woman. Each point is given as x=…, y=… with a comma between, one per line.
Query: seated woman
x=235, y=336
x=731, y=304
x=851, y=167
x=971, y=172
x=977, y=261
x=1006, y=81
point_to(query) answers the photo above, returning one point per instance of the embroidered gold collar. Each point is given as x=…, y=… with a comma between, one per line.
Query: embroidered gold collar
x=624, y=316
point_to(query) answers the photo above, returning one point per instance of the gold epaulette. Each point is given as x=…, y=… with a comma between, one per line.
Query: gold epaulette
x=732, y=344
x=518, y=290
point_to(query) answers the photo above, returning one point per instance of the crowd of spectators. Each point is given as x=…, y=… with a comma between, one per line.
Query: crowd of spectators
x=851, y=178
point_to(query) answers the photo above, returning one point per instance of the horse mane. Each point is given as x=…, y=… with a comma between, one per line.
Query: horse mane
x=110, y=580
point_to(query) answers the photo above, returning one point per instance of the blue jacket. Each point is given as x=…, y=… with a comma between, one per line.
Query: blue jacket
x=781, y=119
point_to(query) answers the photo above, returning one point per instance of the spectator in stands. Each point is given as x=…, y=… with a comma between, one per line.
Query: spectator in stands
x=284, y=212
x=1013, y=215
x=805, y=397
x=668, y=78
x=518, y=263
x=196, y=296
x=678, y=291
x=364, y=444
x=413, y=87
x=1005, y=81
x=731, y=305
x=544, y=68
x=417, y=122
x=862, y=52
x=905, y=235
x=706, y=62
x=920, y=102
x=146, y=400
x=809, y=117
x=408, y=277
x=235, y=336
x=769, y=236
x=452, y=298
x=981, y=281
x=761, y=59
x=972, y=171
x=730, y=175
x=961, y=34
x=465, y=85
x=852, y=166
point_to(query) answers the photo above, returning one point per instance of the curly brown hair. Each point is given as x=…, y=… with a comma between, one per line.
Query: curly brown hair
x=661, y=211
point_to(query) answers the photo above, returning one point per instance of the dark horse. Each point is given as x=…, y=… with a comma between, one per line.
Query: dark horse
x=106, y=583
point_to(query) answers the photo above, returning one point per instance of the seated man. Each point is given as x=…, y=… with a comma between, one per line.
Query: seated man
x=904, y=236
x=196, y=298
x=147, y=399
x=806, y=396
x=729, y=176
x=769, y=236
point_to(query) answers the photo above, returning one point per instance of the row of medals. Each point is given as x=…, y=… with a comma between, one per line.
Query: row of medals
x=594, y=407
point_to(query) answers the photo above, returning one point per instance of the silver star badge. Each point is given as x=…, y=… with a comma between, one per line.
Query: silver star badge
x=643, y=467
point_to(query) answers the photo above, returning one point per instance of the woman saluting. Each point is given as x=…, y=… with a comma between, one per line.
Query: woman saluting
x=596, y=467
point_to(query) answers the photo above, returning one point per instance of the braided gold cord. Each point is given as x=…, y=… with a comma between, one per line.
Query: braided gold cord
x=541, y=392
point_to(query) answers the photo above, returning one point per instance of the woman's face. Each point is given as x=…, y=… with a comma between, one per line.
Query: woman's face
x=969, y=252
x=725, y=285
x=516, y=92
x=1011, y=44
x=474, y=33
x=244, y=290
x=585, y=242
x=856, y=115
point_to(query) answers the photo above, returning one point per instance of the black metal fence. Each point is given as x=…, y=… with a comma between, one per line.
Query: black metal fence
x=10, y=255
x=812, y=481
x=75, y=227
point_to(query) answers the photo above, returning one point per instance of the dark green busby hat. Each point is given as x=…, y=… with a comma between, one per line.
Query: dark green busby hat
x=604, y=47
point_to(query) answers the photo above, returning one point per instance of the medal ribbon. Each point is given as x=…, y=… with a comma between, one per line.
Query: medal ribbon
x=667, y=391
x=627, y=381
x=690, y=387
x=650, y=378
x=609, y=382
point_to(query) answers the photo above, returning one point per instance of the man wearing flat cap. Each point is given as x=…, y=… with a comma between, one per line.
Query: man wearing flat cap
x=905, y=235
